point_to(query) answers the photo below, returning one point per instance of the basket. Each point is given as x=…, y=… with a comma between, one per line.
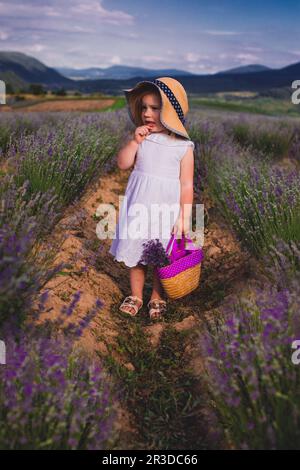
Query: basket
x=182, y=276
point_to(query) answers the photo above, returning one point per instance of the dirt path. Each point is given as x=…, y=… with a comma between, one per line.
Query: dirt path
x=93, y=272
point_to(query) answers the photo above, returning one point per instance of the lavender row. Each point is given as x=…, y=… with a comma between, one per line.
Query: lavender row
x=250, y=372
x=258, y=199
x=52, y=395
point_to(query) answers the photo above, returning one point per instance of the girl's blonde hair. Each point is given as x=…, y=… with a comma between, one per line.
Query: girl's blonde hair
x=137, y=104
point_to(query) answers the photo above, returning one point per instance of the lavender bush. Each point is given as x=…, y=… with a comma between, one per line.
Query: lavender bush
x=24, y=266
x=66, y=159
x=52, y=395
x=250, y=375
x=14, y=124
x=270, y=136
x=259, y=201
x=51, y=169
x=295, y=147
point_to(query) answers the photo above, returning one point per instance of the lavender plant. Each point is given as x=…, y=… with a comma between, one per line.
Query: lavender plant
x=260, y=202
x=249, y=372
x=65, y=159
x=32, y=199
x=24, y=266
x=14, y=124
x=269, y=136
x=52, y=395
x=154, y=254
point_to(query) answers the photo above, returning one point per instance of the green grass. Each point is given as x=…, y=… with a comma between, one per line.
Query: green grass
x=263, y=105
x=118, y=104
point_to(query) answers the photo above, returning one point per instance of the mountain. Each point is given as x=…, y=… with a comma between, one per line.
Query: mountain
x=29, y=70
x=246, y=69
x=20, y=68
x=13, y=79
x=117, y=72
x=248, y=81
x=293, y=69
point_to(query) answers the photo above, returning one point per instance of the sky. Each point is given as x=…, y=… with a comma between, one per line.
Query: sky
x=198, y=36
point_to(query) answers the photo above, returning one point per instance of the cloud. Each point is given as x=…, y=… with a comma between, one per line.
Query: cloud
x=215, y=32
x=36, y=48
x=245, y=57
x=78, y=11
x=4, y=35
x=27, y=10
x=95, y=8
x=115, y=60
x=296, y=53
x=153, y=58
x=193, y=57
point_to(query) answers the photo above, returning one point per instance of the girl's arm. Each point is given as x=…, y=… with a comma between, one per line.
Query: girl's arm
x=186, y=192
x=126, y=155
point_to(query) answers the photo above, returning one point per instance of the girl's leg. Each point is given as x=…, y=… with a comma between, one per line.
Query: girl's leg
x=157, y=291
x=137, y=281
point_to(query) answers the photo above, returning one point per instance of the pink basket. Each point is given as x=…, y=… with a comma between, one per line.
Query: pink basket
x=181, y=276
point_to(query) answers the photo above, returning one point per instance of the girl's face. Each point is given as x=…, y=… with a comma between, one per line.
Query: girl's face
x=150, y=112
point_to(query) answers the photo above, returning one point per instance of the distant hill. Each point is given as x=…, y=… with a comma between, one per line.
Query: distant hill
x=19, y=69
x=117, y=72
x=247, y=69
x=259, y=81
x=293, y=69
x=28, y=70
x=13, y=79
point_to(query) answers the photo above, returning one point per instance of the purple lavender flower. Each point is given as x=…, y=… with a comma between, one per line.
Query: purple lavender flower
x=65, y=395
x=154, y=253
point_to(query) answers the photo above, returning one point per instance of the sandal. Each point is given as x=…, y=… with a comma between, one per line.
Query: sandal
x=157, y=307
x=131, y=302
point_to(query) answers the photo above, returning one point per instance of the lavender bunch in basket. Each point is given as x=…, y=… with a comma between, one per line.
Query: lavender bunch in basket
x=154, y=254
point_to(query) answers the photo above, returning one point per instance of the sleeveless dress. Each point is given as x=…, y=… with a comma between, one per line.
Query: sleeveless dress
x=153, y=185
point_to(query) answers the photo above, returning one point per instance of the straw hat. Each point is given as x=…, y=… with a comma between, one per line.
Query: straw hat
x=174, y=103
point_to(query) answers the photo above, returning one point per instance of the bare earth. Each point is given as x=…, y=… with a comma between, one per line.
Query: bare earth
x=64, y=105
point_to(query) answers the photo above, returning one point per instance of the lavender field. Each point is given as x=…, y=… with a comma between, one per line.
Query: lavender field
x=218, y=373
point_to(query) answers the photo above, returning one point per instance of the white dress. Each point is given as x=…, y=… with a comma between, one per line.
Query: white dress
x=152, y=198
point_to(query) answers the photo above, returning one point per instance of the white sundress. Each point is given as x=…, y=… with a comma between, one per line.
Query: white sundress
x=154, y=180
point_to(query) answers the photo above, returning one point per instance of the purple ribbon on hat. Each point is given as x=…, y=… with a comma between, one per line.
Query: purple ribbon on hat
x=172, y=98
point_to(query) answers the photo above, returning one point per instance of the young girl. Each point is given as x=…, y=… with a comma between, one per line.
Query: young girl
x=163, y=175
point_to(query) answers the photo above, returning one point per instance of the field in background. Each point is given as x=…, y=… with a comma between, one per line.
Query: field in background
x=28, y=103
x=249, y=102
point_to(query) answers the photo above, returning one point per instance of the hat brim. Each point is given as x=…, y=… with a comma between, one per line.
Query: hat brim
x=168, y=115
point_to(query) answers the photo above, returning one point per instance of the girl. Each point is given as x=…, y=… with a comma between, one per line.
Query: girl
x=163, y=175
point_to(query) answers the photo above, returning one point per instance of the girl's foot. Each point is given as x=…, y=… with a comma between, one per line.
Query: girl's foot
x=157, y=308
x=131, y=305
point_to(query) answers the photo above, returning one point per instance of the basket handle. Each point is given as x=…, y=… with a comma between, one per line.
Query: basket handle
x=171, y=244
x=179, y=249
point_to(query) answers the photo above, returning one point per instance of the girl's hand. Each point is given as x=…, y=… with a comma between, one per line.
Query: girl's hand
x=181, y=226
x=140, y=133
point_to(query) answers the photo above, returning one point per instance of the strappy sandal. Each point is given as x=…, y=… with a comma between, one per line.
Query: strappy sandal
x=157, y=308
x=132, y=302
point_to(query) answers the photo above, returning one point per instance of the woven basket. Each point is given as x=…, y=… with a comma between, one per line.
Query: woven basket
x=182, y=276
